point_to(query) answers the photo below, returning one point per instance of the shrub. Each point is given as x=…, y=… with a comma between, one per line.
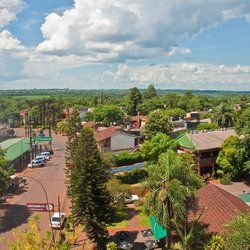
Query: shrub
x=112, y=246
x=126, y=158
x=226, y=179
x=132, y=177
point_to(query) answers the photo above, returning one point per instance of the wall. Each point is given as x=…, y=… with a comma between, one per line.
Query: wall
x=121, y=142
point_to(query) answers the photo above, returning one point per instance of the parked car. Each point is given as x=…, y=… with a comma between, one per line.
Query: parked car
x=57, y=220
x=36, y=163
x=133, y=198
x=41, y=157
x=46, y=154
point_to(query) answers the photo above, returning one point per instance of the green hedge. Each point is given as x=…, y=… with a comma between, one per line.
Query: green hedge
x=132, y=177
x=126, y=158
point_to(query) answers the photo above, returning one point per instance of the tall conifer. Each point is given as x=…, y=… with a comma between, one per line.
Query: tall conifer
x=90, y=197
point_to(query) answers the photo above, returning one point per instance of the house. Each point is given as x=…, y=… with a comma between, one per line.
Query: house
x=205, y=145
x=115, y=139
x=216, y=207
x=192, y=119
x=16, y=151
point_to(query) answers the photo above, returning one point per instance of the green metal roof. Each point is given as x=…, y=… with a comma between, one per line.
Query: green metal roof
x=158, y=231
x=185, y=141
x=15, y=147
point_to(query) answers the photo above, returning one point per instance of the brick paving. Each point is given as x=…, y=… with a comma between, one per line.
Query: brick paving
x=133, y=228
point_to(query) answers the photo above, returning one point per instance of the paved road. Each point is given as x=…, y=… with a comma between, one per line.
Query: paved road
x=14, y=214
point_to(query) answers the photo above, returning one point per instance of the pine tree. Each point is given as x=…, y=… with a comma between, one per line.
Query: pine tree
x=90, y=197
x=74, y=127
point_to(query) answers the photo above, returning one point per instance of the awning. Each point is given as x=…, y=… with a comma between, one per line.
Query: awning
x=158, y=230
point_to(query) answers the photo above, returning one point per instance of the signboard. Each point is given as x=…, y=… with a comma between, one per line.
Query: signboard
x=40, y=207
x=42, y=138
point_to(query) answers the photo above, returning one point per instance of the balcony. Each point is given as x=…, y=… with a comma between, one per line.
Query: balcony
x=206, y=162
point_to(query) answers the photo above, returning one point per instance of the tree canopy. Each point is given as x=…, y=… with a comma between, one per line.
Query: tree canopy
x=134, y=98
x=238, y=234
x=172, y=185
x=158, y=121
x=153, y=148
x=5, y=172
x=150, y=92
x=233, y=158
x=108, y=114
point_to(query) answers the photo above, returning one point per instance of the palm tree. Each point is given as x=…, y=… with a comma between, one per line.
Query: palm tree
x=63, y=127
x=224, y=116
x=172, y=185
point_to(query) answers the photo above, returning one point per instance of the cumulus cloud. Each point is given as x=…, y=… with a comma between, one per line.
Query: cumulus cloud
x=185, y=75
x=12, y=56
x=175, y=50
x=8, y=10
x=111, y=30
x=9, y=43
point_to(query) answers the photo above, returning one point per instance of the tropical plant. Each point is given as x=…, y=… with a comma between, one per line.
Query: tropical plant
x=216, y=243
x=63, y=127
x=172, y=186
x=112, y=246
x=223, y=116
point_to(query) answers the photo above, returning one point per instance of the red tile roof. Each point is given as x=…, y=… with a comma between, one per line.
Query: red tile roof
x=106, y=133
x=109, y=132
x=220, y=207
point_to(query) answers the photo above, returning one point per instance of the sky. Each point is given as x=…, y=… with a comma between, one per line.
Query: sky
x=86, y=44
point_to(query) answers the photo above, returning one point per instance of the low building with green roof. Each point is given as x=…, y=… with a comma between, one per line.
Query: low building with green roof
x=16, y=150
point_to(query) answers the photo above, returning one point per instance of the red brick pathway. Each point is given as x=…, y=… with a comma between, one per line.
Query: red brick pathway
x=133, y=223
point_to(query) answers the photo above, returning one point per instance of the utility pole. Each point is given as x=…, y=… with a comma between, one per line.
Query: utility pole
x=47, y=200
x=59, y=211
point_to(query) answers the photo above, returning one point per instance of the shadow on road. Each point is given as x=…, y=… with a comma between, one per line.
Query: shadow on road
x=12, y=216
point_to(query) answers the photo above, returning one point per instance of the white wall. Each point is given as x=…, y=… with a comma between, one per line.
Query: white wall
x=122, y=141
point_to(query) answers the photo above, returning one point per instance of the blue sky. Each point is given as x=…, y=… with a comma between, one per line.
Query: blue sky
x=202, y=44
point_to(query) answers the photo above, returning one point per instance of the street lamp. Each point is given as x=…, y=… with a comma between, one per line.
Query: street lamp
x=47, y=200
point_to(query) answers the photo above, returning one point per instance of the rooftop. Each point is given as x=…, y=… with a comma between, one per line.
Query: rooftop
x=205, y=140
x=109, y=132
x=218, y=207
x=15, y=147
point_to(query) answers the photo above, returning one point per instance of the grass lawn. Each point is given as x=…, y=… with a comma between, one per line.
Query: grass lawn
x=121, y=219
x=144, y=219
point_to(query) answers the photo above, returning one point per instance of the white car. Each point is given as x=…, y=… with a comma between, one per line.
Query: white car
x=36, y=163
x=41, y=157
x=57, y=220
x=133, y=198
x=46, y=154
